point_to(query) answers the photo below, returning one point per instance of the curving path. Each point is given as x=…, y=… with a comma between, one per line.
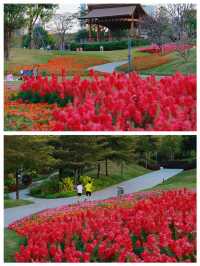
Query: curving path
x=109, y=67
x=133, y=185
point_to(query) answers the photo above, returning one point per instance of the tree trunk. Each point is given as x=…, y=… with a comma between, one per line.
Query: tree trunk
x=146, y=160
x=30, y=34
x=122, y=169
x=17, y=185
x=7, y=39
x=106, y=167
x=98, y=169
x=62, y=42
x=60, y=173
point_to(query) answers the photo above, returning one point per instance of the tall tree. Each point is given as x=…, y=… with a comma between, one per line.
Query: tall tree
x=157, y=27
x=170, y=147
x=35, y=12
x=23, y=153
x=75, y=154
x=116, y=148
x=14, y=19
x=63, y=24
x=146, y=148
x=179, y=15
x=188, y=146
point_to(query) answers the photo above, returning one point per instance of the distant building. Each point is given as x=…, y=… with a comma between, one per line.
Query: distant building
x=112, y=17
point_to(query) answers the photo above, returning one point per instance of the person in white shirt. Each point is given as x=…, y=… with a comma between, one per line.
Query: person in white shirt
x=79, y=189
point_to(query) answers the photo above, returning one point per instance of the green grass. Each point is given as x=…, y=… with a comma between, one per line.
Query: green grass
x=62, y=194
x=20, y=56
x=177, y=64
x=12, y=242
x=10, y=203
x=118, y=55
x=114, y=177
x=186, y=179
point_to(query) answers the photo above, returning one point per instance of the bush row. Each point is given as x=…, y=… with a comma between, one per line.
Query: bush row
x=185, y=164
x=109, y=45
x=50, y=98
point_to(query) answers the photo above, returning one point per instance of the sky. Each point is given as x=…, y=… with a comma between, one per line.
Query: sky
x=72, y=8
x=67, y=8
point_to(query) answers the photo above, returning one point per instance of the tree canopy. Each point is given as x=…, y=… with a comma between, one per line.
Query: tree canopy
x=72, y=155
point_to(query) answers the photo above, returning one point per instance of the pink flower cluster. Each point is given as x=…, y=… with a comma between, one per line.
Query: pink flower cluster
x=119, y=101
x=166, y=48
x=157, y=228
x=130, y=103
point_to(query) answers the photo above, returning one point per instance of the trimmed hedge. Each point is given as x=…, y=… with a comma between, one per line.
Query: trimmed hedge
x=109, y=45
x=185, y=164
x=50, y=98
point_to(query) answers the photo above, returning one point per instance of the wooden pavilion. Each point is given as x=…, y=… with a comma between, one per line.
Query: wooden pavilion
x=111, y=17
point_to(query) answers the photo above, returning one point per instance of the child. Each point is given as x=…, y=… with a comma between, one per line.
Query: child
x=79, y=189
x=88, y=188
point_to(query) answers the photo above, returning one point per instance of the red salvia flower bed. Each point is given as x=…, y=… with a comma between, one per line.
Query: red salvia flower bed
x=115, y=102
x=165, y=48
x=158, y=227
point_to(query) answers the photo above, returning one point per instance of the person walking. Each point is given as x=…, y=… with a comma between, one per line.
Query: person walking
x=79, y=189
x=88, y=189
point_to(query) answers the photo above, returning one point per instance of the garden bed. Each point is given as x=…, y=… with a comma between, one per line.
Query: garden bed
x=140, y=227
x=114, y=102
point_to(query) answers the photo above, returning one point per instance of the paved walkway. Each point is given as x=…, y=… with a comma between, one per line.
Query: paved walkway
x=109, y=67
x=24, y=193
x=133, y=185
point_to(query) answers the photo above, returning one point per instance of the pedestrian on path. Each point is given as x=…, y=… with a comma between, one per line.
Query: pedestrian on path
x=79, y=189
x=88, y=189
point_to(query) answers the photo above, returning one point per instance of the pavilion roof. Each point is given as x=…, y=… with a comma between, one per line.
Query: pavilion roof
x=110, y=12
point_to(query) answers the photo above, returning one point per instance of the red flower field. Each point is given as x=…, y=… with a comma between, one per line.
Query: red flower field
x=140, y=227
x=76, y=64
x=166, y=48
x=114, y=102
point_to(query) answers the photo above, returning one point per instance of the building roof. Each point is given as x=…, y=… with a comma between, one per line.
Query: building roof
x=110, y=12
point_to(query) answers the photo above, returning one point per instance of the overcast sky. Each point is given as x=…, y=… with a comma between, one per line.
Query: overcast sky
x=72, y=8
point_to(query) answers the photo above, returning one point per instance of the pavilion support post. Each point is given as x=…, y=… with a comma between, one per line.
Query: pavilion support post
x=132, y=26
x=98, y=33
x=90, y=31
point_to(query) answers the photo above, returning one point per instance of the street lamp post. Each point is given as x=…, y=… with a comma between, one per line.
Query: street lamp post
x=17, y=184
x=17, y=178
x=130, y=63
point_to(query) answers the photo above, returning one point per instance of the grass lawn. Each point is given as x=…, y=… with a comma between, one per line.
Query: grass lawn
x=115, y=177
x=10, y=203
x=177, y=64
x=163, y=65
x=186, y=179
x=21, y=57
x=12, y=242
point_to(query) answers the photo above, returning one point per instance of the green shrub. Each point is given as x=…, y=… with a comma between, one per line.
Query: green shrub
x=66, y=185
x=84, y=179
x=47, y=187
x=109, y=45
x=50, y=98
x=62, y=194
x=6, y=195
x=10, y=182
